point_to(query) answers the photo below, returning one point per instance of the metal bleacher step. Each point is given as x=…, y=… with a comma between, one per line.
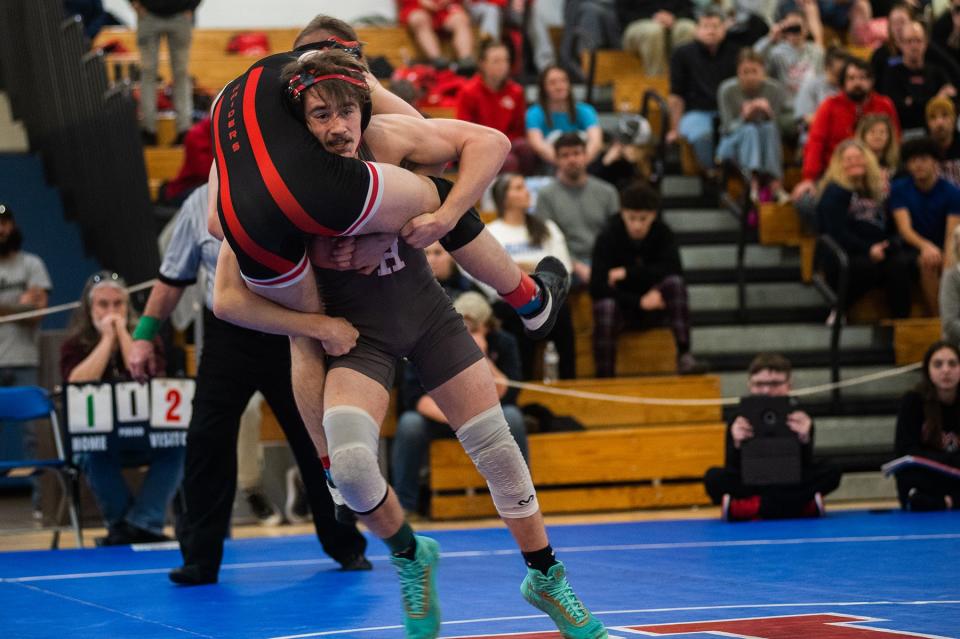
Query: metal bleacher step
x=765, y=303
x=723, y=257
x=791, y=339
x=702, y=225
x=864, y=486
x=783, y=295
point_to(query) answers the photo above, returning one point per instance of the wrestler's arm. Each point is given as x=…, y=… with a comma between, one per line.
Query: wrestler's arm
x=233, y=302
x=480, y=150
x=213, y=219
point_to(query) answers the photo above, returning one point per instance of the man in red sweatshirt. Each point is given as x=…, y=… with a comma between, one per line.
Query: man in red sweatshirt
x=836, y=120
x=492, y=99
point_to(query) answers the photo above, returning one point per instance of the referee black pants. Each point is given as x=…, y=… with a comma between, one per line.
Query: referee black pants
x=235, y=363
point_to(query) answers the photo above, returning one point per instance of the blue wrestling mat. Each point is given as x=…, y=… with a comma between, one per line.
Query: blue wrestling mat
x=850, y=575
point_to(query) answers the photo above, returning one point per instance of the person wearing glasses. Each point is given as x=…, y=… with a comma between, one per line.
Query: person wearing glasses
x=97, y=349
x=769, y=374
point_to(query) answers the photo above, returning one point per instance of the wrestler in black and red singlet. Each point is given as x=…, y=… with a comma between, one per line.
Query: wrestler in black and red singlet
x=278, y=186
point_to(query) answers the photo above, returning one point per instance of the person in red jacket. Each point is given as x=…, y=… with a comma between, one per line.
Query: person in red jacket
x=197, y=158
x=836, y=120
x=492, y=99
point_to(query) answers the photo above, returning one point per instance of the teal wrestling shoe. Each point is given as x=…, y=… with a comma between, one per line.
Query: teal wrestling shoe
x=553, y=594
x=418, y=587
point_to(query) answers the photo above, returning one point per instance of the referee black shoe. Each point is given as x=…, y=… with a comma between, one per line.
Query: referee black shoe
x=192, y=575
x=554, y=281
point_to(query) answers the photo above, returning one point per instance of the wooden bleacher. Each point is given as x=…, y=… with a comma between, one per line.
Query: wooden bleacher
x=780, y=225
x=912, y=337
x=163, y=163
x=631, y=456
x=639, y=352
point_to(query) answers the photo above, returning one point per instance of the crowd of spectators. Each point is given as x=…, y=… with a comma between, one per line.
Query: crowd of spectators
x=752, y=83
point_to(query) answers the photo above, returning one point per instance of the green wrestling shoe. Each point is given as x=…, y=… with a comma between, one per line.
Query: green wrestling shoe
x=418, y=586
x=553, y=594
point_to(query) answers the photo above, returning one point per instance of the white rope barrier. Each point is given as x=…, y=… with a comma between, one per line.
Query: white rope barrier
x=50, y=310
x=721, y=401
x=568, y=392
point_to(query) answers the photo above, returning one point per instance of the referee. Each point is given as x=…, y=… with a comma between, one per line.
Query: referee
x=235, y=363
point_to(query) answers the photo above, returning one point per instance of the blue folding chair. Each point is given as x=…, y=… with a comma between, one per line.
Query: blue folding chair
x=28, y=403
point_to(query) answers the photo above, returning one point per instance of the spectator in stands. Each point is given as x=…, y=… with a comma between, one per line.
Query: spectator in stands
x=755, y=112
x=492, y=99
x=928, y=425
x=627, y=156
x=852, y=210
x=819, y=86
x=24, y=286
x=926, y=209
x=790, y=54
x=652, y=28
x=696, y=71
x=836, y=14
x=946, y=31
x=528, y=239
x=589, y=25
x=901, y=15
x=448, y=274
x=911, y=83
x=942, y=127
x=578, y=203
x=769, y=374
x=172, y=19
x=950, y=295
x=491, y=15
x=537, y=17
x=426, y=18
x=637, y=280
x=556, y=113
x=877, y=134
x=94, y=16
x=423, y=421
x=97, y=349
x=836, y=120
x=195, y=170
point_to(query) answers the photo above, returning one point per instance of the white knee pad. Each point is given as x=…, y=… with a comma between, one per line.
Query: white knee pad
x=487, y=439
x=352, y=437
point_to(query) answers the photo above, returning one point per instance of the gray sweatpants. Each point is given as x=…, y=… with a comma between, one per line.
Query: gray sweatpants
x=178, y=30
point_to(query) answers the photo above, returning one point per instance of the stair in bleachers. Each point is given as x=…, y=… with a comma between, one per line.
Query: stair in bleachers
x=45, y=230
x=784, y=314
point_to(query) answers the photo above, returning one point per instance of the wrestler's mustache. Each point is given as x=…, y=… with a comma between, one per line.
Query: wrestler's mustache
x=339, y=140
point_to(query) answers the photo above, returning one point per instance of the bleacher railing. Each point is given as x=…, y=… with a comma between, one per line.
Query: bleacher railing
x=86, y=134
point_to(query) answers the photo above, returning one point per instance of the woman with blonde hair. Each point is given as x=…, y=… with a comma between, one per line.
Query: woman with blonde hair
x=878, y=134
x=852, y=211
x=97, y=349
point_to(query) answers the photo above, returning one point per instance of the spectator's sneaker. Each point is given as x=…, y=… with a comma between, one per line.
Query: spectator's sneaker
x=746, y=509
x=553, y=594
x=418, y=587
x=262, y=508
x=554, y=280
x=296, y=508
x=687, y=364
x=815, y=507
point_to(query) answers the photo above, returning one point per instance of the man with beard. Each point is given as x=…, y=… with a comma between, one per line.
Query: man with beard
x=942, y=126
x=24, y=285
x=836, y=120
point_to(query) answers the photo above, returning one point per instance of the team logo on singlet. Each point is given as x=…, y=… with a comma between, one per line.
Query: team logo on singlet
x=390, y=262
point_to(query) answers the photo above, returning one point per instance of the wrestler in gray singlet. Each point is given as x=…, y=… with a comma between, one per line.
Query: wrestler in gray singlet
x=400, y=310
